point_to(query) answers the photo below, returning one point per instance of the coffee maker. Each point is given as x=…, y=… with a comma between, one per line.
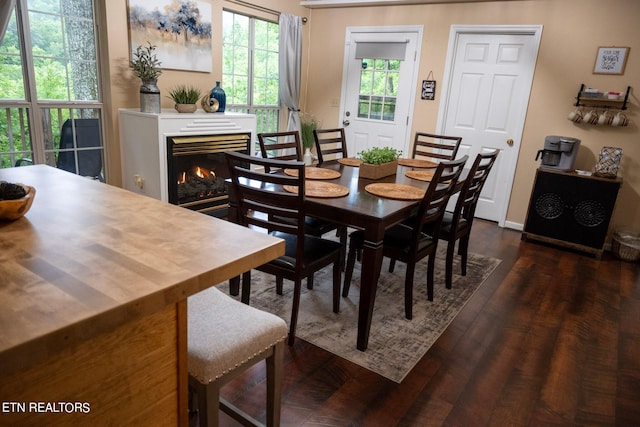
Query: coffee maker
x=559, y=153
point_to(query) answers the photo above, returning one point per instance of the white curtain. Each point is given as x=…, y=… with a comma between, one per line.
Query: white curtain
x=6, y=8
x=290, y=67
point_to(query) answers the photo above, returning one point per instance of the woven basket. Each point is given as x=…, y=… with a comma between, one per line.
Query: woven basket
x=378, y=171
x=626, y=248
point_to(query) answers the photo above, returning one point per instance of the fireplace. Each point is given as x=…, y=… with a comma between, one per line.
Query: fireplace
x=197, y=170
x=179, y=158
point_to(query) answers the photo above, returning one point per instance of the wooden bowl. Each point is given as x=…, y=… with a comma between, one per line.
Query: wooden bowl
x=13, y=209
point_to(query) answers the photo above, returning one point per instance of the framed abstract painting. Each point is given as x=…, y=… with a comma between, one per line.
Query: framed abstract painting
x=180, y=30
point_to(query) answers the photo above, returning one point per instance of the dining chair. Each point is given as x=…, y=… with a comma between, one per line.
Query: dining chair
x=406, y=242
x=456, y=225
x=224, y=339
x=275, y=202
x=286, y=146
x=435, y=147
x=331, y=145
x=280, y=146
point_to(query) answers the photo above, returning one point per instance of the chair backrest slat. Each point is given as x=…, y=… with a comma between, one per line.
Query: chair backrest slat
x=441, y=187
x=472, y=187
x=260, y=199
x=280, y=146
x=435, y=147
x=331, y=144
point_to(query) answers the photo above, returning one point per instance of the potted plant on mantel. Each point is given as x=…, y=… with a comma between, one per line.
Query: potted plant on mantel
x=185, y=97
x=146, y=66
x=378, y=162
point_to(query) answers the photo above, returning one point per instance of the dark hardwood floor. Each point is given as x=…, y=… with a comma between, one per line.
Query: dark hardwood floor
x=551, y=339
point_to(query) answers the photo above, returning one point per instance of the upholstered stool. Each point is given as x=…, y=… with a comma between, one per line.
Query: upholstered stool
x=225, y=337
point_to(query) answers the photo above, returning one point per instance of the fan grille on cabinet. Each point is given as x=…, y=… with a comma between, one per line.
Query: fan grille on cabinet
x=549, y=206
x=589, y=213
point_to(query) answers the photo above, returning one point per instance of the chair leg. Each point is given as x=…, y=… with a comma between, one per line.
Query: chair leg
x=279, y=281
x=392, y=265
x=234, y=286
x=430, y=269
x=348, y=272
x=449, y=263
x=246, y=287
x=294, y=311
x=408, y=290
x=208, y=396
x=337, y=275
x=310, y=281
x=463, y=249
x=342, y=233
x=274, y=384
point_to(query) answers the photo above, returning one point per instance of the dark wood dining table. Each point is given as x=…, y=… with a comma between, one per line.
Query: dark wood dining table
x=373, y=214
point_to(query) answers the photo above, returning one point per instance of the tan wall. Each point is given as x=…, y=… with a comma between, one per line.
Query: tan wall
x=573, y=30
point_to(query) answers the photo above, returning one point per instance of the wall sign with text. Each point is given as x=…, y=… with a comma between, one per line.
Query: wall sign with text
x=611, y=60
x=429, y=89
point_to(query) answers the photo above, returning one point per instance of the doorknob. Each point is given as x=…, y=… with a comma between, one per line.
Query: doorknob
x=345, y=122
x=510, y=142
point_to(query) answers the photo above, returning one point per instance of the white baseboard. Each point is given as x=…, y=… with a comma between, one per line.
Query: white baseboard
x=514, y=225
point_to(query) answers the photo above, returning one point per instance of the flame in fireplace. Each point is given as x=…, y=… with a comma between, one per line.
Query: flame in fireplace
x=199, y=172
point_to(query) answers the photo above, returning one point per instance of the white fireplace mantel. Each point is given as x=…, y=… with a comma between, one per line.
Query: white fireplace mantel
x=143, y=142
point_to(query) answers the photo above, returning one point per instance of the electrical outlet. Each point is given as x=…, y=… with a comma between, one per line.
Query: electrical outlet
x=139, y=181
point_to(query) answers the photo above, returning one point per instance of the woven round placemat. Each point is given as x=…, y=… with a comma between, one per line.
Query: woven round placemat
x=420, y=175
x=320, y=189
x=395, y=191
x=314, y=173
x=350, y=161
x=417, y=163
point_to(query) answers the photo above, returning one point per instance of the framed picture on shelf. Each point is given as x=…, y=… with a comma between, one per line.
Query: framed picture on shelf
x=611, y=60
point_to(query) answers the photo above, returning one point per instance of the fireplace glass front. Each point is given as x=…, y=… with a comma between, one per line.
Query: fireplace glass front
x=197, y=170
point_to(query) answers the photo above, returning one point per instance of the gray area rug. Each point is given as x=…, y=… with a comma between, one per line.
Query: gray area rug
x=395, y=343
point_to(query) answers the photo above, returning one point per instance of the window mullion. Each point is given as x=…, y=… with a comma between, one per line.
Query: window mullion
x=252, y=50
x=34, y=113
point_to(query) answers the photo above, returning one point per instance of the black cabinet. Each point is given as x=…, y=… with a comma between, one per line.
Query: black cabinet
x=571, y=210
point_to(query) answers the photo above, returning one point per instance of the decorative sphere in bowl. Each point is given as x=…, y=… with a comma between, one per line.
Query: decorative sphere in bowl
x=12, y=209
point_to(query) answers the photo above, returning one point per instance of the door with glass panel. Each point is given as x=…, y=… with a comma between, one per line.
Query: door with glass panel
x=380, y=74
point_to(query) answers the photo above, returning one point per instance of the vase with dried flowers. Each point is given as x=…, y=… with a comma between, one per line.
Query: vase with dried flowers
x=146, y=67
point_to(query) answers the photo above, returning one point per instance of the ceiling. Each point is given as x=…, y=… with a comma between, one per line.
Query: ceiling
x=349, y=3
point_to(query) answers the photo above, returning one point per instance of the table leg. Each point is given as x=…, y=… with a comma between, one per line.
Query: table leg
x=371, y=264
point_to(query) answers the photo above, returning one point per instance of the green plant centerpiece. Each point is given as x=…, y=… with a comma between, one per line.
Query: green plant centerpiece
x=146, y=67
x=186, y=98
x=378, y=162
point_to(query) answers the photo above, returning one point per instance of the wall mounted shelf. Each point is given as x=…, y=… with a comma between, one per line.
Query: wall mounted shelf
x=584, y=99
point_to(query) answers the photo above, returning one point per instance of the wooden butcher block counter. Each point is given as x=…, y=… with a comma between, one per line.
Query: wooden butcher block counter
x=93, y=288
